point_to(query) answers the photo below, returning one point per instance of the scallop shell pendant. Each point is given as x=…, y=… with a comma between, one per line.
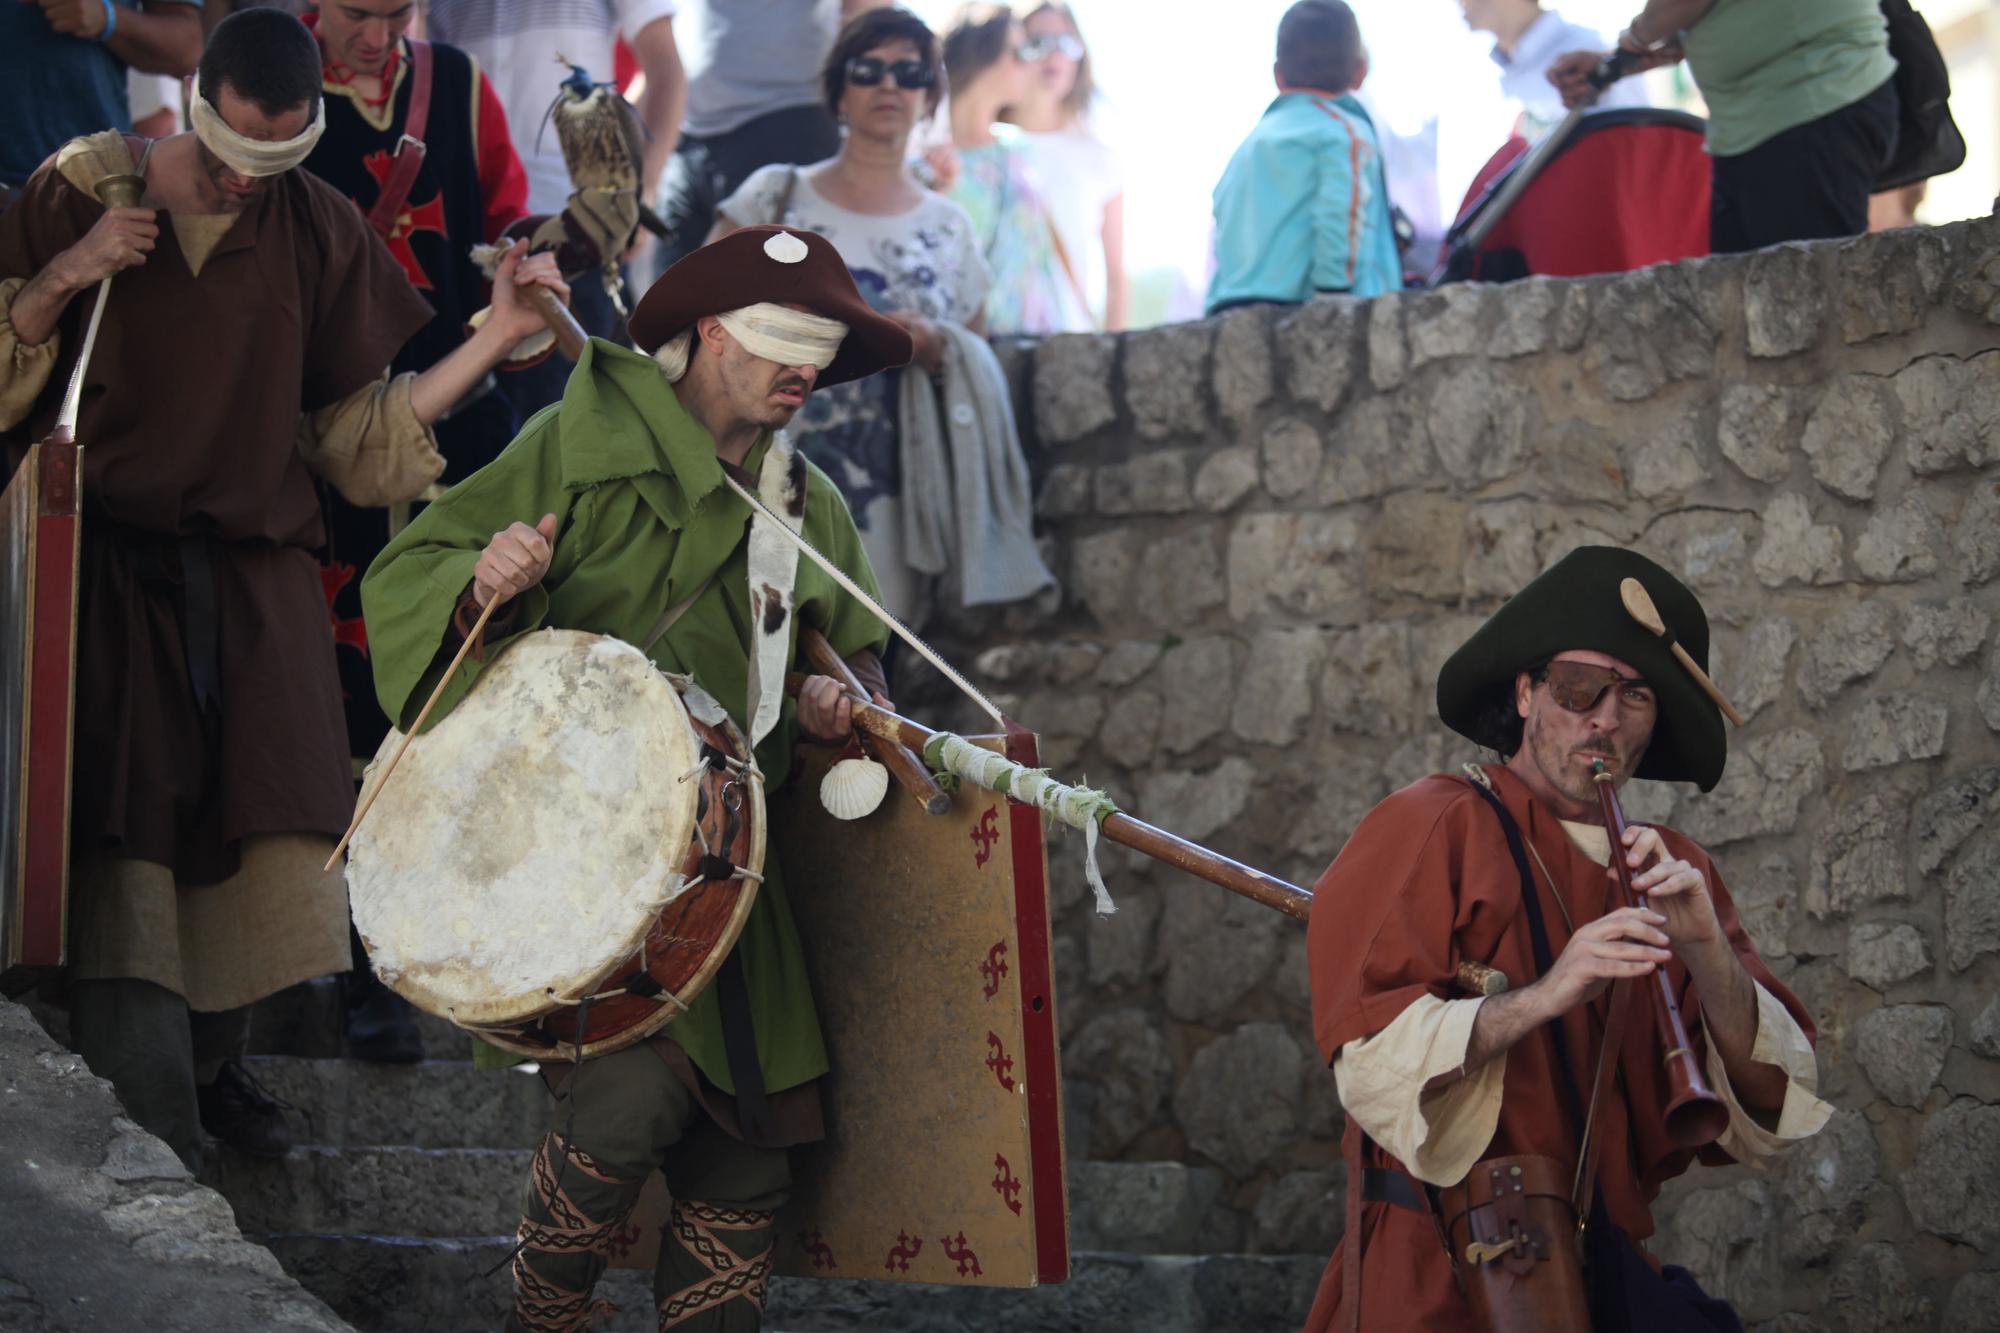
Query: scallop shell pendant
x=853, y=788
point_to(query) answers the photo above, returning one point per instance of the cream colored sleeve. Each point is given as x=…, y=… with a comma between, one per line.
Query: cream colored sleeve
x=371, y=446
x=1384, y=1081
x=24, y=368
x=1782, y=1043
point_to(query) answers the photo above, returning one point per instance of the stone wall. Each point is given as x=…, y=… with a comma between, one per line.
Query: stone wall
x=1273, y=527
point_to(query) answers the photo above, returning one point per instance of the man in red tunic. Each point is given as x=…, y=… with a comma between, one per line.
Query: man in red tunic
x=1560, y=678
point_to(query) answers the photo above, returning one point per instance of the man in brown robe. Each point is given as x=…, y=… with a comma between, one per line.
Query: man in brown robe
x=243, y=342
x=1559, y=678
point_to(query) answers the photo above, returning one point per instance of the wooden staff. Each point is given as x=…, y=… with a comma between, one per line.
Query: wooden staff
x=478, y=628
x=903, y=763
x=1159, y=844
x=570, y=336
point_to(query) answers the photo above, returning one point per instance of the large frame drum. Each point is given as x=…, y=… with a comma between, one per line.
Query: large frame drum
x=580, y=828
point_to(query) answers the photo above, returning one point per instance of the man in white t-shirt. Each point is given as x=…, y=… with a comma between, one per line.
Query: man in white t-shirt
x=1526, y=39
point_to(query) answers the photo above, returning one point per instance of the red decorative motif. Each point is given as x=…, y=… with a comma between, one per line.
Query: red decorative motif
x=413, y=219
x=994, y=968
x=956, y=1248
x=905, y=1250
x=622, y=1240
x=1005, y=1184
x=353, y=633
x=1001, y=1063
x=816, y=1249
x=985, y=835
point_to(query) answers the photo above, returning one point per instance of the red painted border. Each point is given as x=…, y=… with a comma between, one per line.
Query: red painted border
x=51, y=715
x=1038, y=1027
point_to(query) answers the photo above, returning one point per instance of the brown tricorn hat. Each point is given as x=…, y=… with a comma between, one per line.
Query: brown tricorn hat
x=757, y=264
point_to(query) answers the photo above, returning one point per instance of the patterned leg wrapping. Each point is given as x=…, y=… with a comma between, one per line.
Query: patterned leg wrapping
x=726, y=1280
x=565, y=1233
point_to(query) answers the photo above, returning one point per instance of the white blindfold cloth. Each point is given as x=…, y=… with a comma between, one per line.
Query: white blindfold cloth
x=773, y=332
x=252, y=157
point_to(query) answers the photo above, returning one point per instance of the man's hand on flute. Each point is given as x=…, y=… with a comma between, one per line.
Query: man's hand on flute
x=826, y=709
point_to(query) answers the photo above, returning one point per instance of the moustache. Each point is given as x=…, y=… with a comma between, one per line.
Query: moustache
x=1604, y=748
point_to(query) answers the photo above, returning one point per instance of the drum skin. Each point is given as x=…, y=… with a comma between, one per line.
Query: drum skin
x=543, y=843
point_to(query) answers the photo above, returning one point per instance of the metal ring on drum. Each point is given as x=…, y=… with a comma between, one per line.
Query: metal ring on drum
x=535, y=849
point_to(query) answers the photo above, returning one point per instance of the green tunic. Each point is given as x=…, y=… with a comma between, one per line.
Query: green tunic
x=644, y=518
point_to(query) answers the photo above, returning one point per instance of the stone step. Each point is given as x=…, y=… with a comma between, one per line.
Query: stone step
x=436, y=1104
x=360, y=1191
x=397, y=1284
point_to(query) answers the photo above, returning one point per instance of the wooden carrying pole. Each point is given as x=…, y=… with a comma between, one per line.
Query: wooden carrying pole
x=1161, y=845
x=903, y=763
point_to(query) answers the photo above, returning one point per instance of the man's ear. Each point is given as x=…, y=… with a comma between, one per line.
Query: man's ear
x=1524, y=691
x=1277, y=76
x=1360, y=72
x=708, y=329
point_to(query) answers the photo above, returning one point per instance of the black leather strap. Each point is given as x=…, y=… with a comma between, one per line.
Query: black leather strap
x=1381, y=1184
x=739, y=1043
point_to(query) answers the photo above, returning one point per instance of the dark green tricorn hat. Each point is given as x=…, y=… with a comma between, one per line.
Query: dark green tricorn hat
x=1575, y=604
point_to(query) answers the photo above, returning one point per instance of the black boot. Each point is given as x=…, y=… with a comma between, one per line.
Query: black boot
x=242, y=1115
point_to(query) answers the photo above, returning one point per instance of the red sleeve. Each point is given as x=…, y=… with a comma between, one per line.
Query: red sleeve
x=502, y=182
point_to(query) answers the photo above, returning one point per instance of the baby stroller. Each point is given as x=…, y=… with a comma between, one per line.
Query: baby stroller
x=1621, y=190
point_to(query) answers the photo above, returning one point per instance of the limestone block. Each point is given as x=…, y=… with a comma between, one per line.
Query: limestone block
x=1945, y=818
x=1988, y=697
x=1218, y=947
x=1073, y=386
x=1128, y=660
x=1902, y=1048
x=1977, y=536
x=1165, y=370
x=1291, y=980
x=1101, y=565
x=1724, y=1235
x=1750, y=664
x=1871, y=1292
x=1953, y=1190
x=1882, y=953
x=1759, y=794
x=1974, y=1306
x=1784, y=300
x=1577, y=461
x=1848, y=435
x=1195, y=805
x=1757, y=429
x=1192, y=677
x=1858, y=855
x=1948, y=631
x=1710, y=548
x=1300, y=563
x=1177, y=579
x=1975, y=288
x=1794, y=549
x=1371, y=685
x=1069, y=968
x=1825, y=1186
x=1301, y=1212
x=1274, y=697
x=1225, y=477
x=1065, y=492
x=1243, y=361
x=1142, y=1207
x=1240, y=1101
x=1500, y=554
x=1847, y=647
x=1972, y=901
x=1120, y=946
x=1124, y=1057
x=1152, y=483
x=1951, y=412
x=1319, y=345
x=1646, y=330
x=1895, y=728
x=1766, y=896
x=1417, y=546
x=1986, y=1030
x=1292, y=452
x=1445, y=322
x=1573, y=314
x=1378, y=444
x=1131, y=728
x=1388, y=354
x=1887, y=283
x=1526, y=317
x=1900, y=545
x=1667, y=465
x=1479, y=425
x=135, y=1155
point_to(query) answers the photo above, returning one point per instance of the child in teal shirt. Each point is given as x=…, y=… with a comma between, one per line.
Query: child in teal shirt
x=1303, y=207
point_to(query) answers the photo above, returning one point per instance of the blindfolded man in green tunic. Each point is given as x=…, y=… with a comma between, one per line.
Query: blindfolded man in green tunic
x=609, y=513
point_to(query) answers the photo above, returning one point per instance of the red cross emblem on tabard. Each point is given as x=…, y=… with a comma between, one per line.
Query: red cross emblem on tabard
x=427, y=216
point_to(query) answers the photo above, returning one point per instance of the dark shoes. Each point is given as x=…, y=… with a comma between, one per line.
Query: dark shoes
x=380, y=1027
x=242, y=1115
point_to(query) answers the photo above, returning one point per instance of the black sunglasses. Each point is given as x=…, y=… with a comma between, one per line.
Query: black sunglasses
x=867, y=71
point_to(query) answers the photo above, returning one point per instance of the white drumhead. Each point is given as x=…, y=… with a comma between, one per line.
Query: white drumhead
x=527, y=841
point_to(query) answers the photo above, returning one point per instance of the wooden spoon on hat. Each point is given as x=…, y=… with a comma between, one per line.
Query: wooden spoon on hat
x=1640, y=603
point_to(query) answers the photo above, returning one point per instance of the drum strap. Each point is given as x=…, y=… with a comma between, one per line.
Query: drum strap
x=673, y=614
x=739, y=1043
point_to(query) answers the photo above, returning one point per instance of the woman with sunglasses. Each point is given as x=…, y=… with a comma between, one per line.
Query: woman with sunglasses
x=1083, y=176
x=912, y=252
x=1036, y=289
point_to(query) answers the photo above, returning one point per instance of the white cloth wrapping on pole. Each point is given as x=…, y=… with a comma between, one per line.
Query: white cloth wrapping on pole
x=1078, y=807
x=966, y=497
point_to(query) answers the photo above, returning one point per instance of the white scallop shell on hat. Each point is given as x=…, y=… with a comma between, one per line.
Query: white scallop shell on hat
x=785, y=248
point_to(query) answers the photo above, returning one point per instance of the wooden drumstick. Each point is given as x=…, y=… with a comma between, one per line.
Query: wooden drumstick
x=903, y=763
x=1640, y=603
x=478, y=628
